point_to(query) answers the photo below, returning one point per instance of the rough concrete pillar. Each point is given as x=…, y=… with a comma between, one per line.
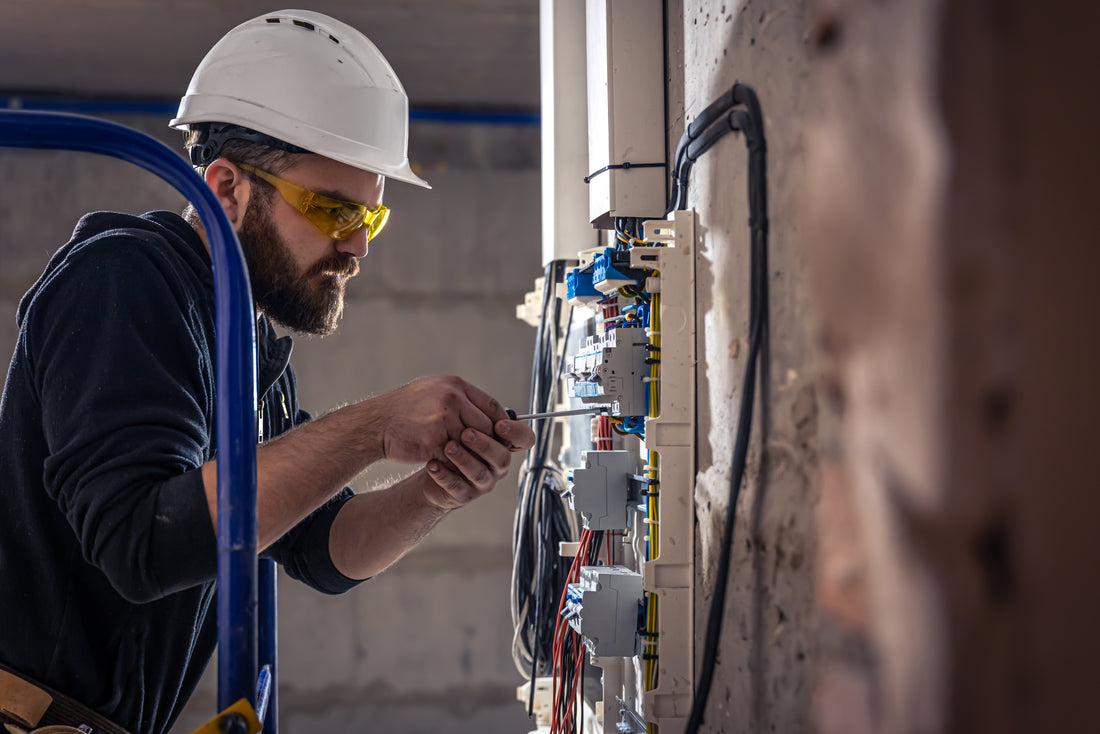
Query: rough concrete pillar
x=948, y=171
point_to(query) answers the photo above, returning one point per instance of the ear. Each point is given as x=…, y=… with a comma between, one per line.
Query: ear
x=232, y=187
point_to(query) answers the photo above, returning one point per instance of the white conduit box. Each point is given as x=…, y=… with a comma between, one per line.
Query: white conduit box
x=626, y=110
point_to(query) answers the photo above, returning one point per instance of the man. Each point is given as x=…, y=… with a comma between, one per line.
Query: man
x=107, y=431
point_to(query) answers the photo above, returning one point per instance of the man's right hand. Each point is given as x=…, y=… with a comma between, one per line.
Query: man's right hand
x=421, y=417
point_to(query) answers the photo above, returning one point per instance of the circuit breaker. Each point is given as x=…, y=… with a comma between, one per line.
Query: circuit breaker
x=600, y=490
x=611, y=370
x=605, y=608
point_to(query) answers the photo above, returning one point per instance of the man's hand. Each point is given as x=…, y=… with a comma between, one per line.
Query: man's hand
x=421, y=417
x=477, y=461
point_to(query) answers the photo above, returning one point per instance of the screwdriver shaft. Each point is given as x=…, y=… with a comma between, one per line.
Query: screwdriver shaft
x=559, y=414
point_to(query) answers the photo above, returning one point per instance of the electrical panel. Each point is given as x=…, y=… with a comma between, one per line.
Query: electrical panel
x=603, y=541
x=630, y=471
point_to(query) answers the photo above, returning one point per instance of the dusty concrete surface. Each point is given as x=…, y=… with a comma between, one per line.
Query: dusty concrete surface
x=763, y=681
x=954, y=267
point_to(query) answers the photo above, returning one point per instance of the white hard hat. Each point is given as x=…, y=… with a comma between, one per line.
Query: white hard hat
x=309, y=80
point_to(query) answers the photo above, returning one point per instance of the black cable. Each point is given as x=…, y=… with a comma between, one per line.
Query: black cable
x=526, y=596
x=747, y=118
x=737, y=95
x=539, y=573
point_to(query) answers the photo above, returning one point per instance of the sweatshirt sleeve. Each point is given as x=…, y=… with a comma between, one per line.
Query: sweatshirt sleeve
x=304, y=551
x=121, y=356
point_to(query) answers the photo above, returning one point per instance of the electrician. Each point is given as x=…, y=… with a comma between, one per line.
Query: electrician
x=107, y=542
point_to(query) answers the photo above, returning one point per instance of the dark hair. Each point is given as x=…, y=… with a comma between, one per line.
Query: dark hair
x=239, y=150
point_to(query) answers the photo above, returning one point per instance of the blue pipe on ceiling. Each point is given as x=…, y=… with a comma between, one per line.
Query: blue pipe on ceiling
x=106, y=106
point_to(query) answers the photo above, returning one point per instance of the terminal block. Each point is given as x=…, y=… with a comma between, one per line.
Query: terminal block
x=610, y=369
x=605, y=607
x=600, y=490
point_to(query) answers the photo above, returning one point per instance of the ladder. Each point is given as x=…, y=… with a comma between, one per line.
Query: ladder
x=247, y=635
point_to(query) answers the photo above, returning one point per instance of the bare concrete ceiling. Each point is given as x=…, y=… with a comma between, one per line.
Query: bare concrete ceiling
x=480, y=54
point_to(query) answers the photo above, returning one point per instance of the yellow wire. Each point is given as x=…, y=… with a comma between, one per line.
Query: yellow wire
x=652, y=515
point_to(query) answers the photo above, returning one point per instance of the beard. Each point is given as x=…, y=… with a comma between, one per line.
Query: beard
x=310, y=302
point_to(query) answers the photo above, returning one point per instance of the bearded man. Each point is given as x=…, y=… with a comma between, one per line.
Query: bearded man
x=107, y=423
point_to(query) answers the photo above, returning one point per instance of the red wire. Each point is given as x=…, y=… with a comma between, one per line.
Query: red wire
x=562, y=629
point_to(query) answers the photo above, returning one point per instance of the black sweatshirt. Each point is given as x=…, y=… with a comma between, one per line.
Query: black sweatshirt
x=107, y=553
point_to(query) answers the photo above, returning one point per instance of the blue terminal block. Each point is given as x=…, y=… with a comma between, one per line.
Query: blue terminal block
x=605, y=276
x=578, y=287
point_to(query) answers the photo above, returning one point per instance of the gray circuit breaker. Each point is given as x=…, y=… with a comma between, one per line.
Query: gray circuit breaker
x=600, y=490
x=605, y=608
x=610, y=369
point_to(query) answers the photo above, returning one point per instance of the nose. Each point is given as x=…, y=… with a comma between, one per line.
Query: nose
x=355, y=245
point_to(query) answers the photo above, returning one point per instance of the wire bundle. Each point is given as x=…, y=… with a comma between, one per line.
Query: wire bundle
x=542, y=520
x=653, y=530
x=568, y=668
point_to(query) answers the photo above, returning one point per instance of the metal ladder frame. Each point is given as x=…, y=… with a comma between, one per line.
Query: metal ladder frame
x=247, y=634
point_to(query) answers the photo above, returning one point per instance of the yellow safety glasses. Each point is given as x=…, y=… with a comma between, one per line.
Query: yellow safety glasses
x=337, y=218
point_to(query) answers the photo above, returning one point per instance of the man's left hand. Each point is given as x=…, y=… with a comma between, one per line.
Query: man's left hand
x=478, y=462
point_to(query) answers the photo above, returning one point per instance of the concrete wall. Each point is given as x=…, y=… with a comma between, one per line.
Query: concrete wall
x=424, y=647
x=917, y=531
x=957, y=283
x=763, y=680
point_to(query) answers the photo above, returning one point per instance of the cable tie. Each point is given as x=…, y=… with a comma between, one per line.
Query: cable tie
x=626, y=166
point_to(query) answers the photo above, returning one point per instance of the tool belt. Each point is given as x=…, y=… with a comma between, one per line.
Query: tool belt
x=26, y=704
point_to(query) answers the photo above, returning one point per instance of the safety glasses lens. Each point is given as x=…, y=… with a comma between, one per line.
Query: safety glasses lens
x=344, y=219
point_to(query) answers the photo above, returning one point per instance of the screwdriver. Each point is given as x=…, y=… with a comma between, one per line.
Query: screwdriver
x=553, y=414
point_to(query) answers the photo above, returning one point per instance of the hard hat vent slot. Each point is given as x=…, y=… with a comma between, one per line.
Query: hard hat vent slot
x=274, y=20
x=303, y=24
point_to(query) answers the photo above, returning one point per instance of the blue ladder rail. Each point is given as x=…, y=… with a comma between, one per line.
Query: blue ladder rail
x=238, y=658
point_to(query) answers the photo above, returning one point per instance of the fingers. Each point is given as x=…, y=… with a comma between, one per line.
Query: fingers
x=516, y=434
x=488, y=450
x=487, y=405
x=482, y=467
x=454, y=490
x=462, y=476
